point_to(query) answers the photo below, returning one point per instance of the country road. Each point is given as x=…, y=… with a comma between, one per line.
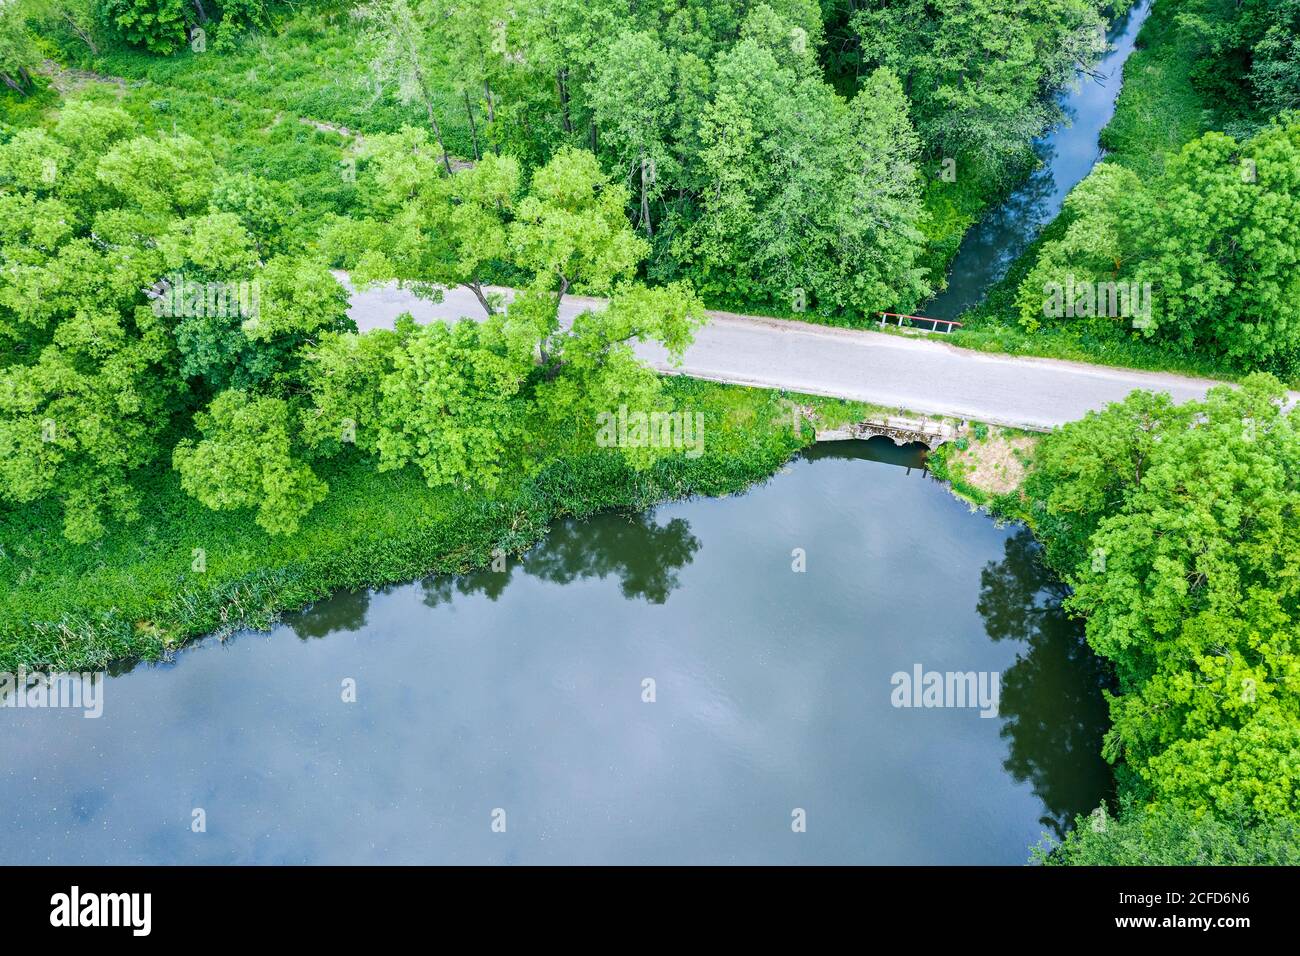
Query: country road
x=917, y=374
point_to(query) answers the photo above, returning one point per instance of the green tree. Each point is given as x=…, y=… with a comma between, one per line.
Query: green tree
x=632, y=96
x=404, y=43
x=1207, y=246
x=246, y=460
x=1169, y=836
x=570, y=231
x=1093, y=249
x=594, y=369
x=1216, y=245
x=1249, y=62
x=981, y=74
x=451, y=404
x=86, y=381
x=344, y=378
x=81, y=18
x=431, y=230
x=1176, y=527
x=19, y=51
x=881, y=213
x=807, y=200
x=161, y=178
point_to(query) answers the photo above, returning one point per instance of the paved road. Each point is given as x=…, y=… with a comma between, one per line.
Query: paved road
x=917, y=374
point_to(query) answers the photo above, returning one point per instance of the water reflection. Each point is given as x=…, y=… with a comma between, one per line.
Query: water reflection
x=344, y=611
x=1054, y=712
x=774, y=692
x=646, y=557
x=997, y=240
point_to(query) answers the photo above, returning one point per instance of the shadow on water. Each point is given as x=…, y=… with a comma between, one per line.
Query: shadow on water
x=910, y=456
x=1052, y=705
x=343, y=611
x=1054, y=712
x=645, y=556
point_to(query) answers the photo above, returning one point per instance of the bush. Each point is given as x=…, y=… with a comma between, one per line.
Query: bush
x=1166, y=836
x=156, y=25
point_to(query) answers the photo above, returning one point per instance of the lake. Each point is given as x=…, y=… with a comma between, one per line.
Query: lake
x=505, y=716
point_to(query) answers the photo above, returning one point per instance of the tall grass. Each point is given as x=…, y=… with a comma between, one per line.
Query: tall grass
x=139, y=592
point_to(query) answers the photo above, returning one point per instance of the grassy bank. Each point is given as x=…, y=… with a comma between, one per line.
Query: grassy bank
x=309, y=65
x=987, y=466
x=182, y=570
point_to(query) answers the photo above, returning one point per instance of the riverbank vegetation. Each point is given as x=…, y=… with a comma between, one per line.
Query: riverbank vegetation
x=183, y=570
x=1175, y=528
x=986, y=464
x=1179, y=250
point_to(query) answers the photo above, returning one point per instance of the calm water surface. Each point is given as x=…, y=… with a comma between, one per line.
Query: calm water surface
x=522, y=691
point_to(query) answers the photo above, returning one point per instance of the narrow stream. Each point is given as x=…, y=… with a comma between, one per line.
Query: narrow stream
x=1068, y=153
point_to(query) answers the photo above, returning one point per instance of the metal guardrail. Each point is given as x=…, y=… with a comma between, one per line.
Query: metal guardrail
x=909, y=319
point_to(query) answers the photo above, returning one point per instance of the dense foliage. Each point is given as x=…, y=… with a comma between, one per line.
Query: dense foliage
x=1176, y=526
x=173, y=346
x=141, y=284
x=1250, y=53
x=185, y=569
x=744, y=170
x=1168, y=836
x=981, y=74
x=1206, y=253
x=127, y=299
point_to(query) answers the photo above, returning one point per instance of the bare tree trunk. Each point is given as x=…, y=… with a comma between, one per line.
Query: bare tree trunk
x=203, y=14
x=564, y=287
x=85, y=36
x=433, y=120
x=645, y=198
x=437, y=134
x=9, y=82
x=562, y=83
x=477, y=288
x=473, y=131
x=492, y=113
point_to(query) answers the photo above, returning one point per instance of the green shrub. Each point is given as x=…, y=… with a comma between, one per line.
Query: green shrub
x=156, y=25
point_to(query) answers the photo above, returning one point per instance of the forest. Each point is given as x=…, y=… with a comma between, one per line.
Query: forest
x=181, y=183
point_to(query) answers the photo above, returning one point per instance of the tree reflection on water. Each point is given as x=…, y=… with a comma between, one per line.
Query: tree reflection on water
x=1052, y=704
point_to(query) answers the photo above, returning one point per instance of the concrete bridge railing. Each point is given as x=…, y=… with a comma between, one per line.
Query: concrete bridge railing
x=901, y=431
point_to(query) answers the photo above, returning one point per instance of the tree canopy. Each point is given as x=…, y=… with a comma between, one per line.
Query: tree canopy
x=1177, y=528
